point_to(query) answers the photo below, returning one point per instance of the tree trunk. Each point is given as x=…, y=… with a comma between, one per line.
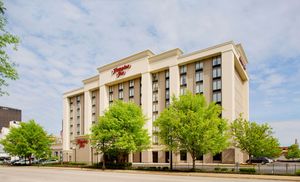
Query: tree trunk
x=194, y=164
x=171, y=160
x=29, y=160
x=250, y=159
x=103, y=161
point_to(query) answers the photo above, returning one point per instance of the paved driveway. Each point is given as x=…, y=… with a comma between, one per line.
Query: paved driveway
x=30, y=174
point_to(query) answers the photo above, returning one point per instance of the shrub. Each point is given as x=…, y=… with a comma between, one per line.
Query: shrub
x=224, y=169
x=112, y=165
x=217, y=169
x=298, y=172
x=247, y=170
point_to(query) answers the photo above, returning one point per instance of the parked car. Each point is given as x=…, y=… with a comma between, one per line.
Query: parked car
x=260, y=160
x=21, y=162
x=50, y=161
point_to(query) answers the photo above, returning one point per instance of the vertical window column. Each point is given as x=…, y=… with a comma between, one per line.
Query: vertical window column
x=154, y=106
x=183, y=83
x=199, y=77
x=111, y=95
x=93, y=107
x=167, y=96
x=131, y=90
x=120, y=93
x=217, y=80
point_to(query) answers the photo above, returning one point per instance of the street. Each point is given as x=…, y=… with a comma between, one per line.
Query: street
x=30, y=174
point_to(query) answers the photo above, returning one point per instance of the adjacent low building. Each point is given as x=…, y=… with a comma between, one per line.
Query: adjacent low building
x=8, y=114
x=149, y=80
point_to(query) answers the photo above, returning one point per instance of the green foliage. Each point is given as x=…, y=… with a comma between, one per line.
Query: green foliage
x=112, y=165
x=193, y=125
x=293, y=152
x=248, y=170
x=298, y=172
x=121, y=130
x=30, y=139
x=257, y=140
x=7, y=68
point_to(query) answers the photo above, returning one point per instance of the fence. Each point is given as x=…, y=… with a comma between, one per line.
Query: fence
x=272, y=168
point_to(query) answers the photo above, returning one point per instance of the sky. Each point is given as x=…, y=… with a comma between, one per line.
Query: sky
x=63, y=42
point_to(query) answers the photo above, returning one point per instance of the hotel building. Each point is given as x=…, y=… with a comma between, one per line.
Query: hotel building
x=149, y=80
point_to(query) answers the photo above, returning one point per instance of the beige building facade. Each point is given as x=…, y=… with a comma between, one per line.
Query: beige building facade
x=149, y=80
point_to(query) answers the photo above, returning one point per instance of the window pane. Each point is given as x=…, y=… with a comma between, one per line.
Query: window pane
x=183, y=79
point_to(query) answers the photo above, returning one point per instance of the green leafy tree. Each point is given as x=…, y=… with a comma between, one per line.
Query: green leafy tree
x=257, y=140
x=193, y=125
x=120, y=131
x=27, y=140
x=7, y=68
x=168, y=124
x=293, y=152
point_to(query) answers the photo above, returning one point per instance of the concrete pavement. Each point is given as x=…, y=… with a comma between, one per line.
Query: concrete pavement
x=43, y=174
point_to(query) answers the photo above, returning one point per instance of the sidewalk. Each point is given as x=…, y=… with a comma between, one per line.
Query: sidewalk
x=215, y=175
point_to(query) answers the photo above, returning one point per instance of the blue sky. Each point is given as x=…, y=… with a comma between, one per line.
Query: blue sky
x=63, y=42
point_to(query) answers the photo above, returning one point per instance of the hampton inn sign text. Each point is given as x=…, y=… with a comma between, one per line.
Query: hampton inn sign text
x=120, y=71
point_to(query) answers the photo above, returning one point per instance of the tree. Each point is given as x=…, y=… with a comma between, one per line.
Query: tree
x=28, y=140
x=168, y=124
x=293, y=152
x=7, y=68
x=195, y=126
x=257, y=140
x=120, y=131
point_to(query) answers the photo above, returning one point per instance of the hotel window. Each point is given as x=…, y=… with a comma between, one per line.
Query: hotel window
x=183, y=80
x=183, y=155
x=198, y=66
x=110, y=97
x=155, y=77
x=167, y=83
x=131, y=99
x=93, y=95
x=217, y=61
x=155, y=97
x=217, y=85
x=155, y=129
x=155, y=86
x=199, y=76
x=216, y=72
x=154, y=107
x=167, y=103
x=131, y=92
x=93, y=102
x=217, y=97
x=182, y=90
x=155, y=139
x=93, y=110
x=131, y=83
x=167, y=94
x=120, y=86
x=154, y=116
x=78, y=98
x=120, y=94
x=93, y=118
x=110, y=89
x=183, y=69
x=199, y=88
x=167, y=74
